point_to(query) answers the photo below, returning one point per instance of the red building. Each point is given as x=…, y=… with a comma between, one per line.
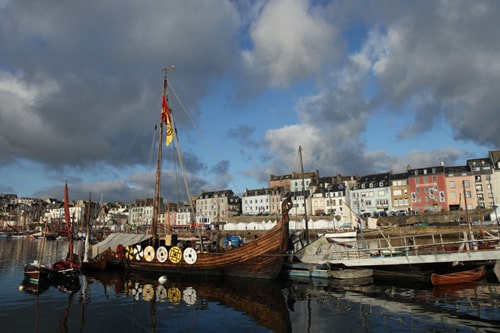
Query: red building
x=428, y=189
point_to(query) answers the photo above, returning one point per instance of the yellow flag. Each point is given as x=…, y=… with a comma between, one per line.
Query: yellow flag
x=165, y=116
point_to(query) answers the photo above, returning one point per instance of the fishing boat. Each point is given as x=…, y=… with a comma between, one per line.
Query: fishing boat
x=67, y=268
x=458, y=277
x=263, y=257
x=37, y=273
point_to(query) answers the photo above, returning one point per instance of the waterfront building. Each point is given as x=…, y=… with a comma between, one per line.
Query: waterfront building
x=328, y=197
x=400, y=193
x=217, y=206
x=256, y=202
x=371, y=194
x=482, y=170
x=428, y=189
x=460, y=191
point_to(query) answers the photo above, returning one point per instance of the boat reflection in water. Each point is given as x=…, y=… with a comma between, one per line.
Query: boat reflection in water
x=382, y=307
x=35, y=288
x=261, y=300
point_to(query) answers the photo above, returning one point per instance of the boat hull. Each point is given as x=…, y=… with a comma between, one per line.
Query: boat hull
x=38, y=274
x=95, y=265
x=458, y=277
x=261, y=258
x=351, y=273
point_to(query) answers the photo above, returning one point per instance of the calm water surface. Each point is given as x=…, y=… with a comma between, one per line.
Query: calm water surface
x=123, y=302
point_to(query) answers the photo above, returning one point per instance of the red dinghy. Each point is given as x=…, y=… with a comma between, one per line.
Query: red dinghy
x=458, y=277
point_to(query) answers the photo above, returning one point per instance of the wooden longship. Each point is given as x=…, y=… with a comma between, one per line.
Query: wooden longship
x=263, y=257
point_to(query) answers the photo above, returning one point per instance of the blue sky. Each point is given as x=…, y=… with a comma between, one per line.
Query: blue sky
x=362, y=86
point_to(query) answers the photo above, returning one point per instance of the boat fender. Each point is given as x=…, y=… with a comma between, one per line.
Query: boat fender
x=190, y=255
x=175, y=254
x=162, y=254
x=149, y=253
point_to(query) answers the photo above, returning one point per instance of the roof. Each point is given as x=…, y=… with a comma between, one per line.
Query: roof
x=115, y=239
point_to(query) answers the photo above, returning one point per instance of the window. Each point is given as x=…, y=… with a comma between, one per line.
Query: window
x=452, y=184
x=466, y=184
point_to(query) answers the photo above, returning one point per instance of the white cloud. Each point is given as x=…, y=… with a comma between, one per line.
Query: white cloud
x=290, y=42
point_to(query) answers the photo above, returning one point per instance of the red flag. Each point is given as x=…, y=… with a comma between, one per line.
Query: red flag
x=165, y=117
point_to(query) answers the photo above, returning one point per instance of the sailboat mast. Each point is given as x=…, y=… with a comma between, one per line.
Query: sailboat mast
x=87, y=231
x=304, y=193
x=156, y=199
x=68, y=222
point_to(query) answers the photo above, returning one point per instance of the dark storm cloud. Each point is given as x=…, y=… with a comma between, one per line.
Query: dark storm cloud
x=80, y=81
x=94, y=71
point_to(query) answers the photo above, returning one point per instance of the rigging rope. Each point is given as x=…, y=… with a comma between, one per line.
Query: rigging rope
x=210, y=150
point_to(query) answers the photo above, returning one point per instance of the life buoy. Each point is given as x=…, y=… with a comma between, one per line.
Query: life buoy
x=162, y=254
x=190, y=255
x=119, y=251
x=175, y=254
x=149, y=253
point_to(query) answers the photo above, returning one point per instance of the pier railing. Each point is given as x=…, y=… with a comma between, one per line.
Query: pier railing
x=414, y=245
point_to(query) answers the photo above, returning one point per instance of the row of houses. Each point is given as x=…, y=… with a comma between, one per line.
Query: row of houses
x=431, y=189
x=437, y=188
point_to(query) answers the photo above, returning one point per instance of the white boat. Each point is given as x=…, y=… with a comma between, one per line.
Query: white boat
x=340, y=235
x=319, y=251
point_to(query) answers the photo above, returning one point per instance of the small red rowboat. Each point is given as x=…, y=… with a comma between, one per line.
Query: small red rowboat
x=458, y=277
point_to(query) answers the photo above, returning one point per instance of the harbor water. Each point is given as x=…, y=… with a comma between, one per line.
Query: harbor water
x=127, y=302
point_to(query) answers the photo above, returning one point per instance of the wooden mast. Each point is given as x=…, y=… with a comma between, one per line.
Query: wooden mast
x=156, y=200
